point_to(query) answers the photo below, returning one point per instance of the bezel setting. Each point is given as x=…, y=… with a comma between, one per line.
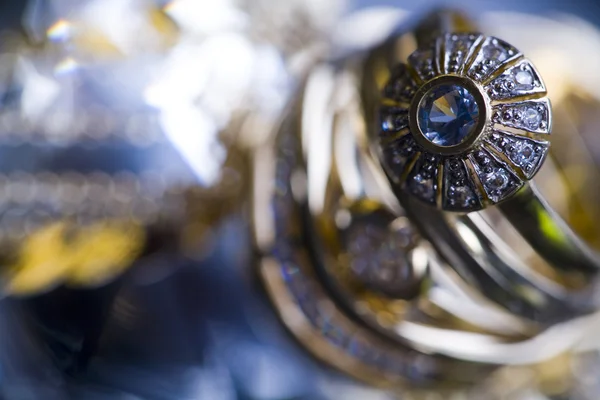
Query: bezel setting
x=480, y=98
x=508, y=143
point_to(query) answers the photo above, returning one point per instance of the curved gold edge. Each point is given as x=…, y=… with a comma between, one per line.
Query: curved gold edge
x=300, y=327
x=506, y=161
x=502, y=68
x=390, y=138
x=473, y=51
x=510, y=170
x=536, y=94
x=490, y=148
x=439, y=196
x=416, y=78
x=410, y=165
x=438, y=60
x=387, y=102
x=485, y=201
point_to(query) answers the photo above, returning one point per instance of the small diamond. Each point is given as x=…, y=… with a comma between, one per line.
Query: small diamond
x=523, y=154
x=423, y=187
x=461, y=196
x=532, y=118
x=495, y=53
x=379, y=258
x=393, y=121
x=448, y=115
x=497, y=179
x=524, y=77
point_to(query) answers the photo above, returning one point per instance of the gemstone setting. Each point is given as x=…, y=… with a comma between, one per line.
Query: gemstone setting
x=519, y=80
x=531, y=116
x=448, y=115
x=461, y=125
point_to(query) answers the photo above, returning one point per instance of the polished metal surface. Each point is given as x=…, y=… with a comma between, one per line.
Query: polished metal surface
x=165, y=235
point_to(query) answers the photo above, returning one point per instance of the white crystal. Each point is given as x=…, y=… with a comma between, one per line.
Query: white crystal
x=532, y=118
x=424, y=187
x=495, y=53
x=378, y=257
x=523, y=154
x=497, y=179
x=524, y=77
x=462, y=196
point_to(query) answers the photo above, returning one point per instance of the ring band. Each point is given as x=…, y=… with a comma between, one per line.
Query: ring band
x=329, y=184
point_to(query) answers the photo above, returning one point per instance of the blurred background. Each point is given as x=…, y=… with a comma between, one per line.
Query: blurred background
x=125, y=254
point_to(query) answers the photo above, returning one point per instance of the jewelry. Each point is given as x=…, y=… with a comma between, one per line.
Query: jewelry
x=464, y=126
x=369, y=276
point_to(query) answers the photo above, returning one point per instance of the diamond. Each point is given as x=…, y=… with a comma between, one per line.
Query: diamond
x=458, y=47
x=526, y=154
x=393, y=119
x=461, y=196
x=495, y=53
x=400, y=86
x=498, y=179
x=397, y=153
x=523, y=154
x=518, y=80
x=423, y=187
x=532, y=118
x=423, y=64
x=524, y=77
x=379, y=258
x=448, y=115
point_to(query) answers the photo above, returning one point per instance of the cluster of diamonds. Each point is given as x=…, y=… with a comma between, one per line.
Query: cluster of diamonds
x=510, y=149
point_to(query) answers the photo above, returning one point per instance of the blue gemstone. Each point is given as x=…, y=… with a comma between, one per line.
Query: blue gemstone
x=448, y=114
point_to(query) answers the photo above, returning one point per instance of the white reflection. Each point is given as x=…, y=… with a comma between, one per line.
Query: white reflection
x=196, y=90
x=125, y=24
x=211, y=383
x=60, y=31
x=66, y=66
x=194, y=135
x=317, y=118
x=207, y=17
x=39, y=92
x=554, y=341
x=362, y=29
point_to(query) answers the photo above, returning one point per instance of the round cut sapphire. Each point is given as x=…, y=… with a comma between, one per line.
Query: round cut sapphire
x=448, y=114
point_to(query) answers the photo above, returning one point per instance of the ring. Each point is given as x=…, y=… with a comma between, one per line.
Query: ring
x=364, y=213
x=464, y=125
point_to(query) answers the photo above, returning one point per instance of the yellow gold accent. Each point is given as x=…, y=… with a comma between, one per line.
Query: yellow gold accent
x=440, y=185
x=61, y=252
x=394, y=136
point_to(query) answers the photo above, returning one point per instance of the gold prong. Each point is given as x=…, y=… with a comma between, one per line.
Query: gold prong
x=440, y=185
x=387, y=139
x=485, y=200
x=409, y=167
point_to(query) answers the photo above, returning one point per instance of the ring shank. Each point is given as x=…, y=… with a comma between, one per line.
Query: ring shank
x=547, y=232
